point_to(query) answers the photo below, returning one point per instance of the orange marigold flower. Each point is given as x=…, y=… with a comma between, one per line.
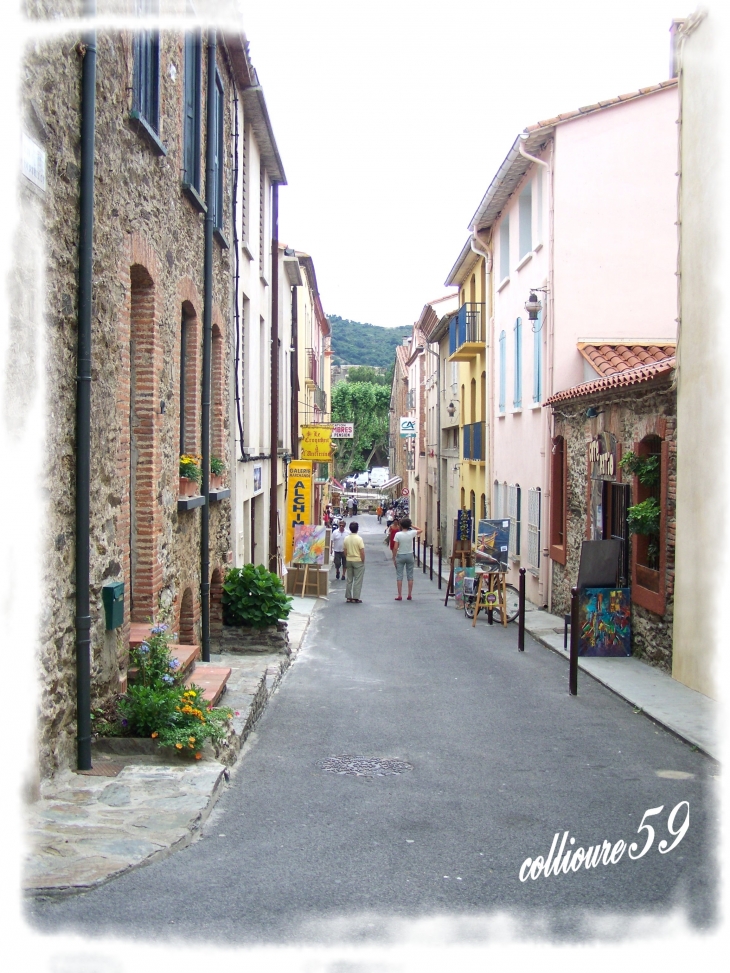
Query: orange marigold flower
x=179, y=746
x=155, y=734
x=198, y=755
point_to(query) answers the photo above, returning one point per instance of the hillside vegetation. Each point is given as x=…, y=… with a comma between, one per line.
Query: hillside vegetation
x=356, y=343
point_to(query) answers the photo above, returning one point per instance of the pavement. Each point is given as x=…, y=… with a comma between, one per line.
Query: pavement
x=137, y=807
x=406, y=768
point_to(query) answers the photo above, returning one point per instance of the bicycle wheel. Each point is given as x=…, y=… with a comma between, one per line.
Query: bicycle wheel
x=469, y=608
x=513, y=605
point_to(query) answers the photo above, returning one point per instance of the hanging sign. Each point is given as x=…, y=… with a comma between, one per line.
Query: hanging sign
x=316, y=444
x=298, y=500
x=602, y=456
x=463, y=525
x=343, y=430
x=407, y=427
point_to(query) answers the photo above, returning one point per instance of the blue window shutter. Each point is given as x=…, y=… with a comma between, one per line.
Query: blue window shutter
x=218, y=222
x=537, y=360
x=191, y=136
x=518, y=364
x=502, y=369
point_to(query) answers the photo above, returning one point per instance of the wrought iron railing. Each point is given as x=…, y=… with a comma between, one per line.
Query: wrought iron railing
x=320, y=399
x=466, y=326
x=474, y=441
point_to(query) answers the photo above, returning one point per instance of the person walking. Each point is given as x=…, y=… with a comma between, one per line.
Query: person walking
x=354, y=507
x=379, y=513
x=350, y=502
x=337, y=546
x=389, y=517
x=355, y=553
x=403, y=557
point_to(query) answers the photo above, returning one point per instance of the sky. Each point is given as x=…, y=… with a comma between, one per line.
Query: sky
x=392, y=118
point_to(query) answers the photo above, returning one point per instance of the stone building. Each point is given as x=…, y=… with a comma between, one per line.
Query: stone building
x=151, y=199
x=397, y=459
x=631, y=408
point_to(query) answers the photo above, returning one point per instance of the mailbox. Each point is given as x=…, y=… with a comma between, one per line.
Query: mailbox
x=112, y=595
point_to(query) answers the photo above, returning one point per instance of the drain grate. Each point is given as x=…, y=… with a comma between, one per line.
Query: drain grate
x=358, y=766
x=102, y=769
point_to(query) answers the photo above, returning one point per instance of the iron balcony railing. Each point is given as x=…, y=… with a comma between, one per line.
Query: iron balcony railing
x=312, y=365
x=473, y=441
x=320, y=399
x=466, y=326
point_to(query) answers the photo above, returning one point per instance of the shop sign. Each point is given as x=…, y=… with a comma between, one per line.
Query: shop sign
x=298, y=500
x=463, y=525
x=407, y=427
x=343, y=430
x=602, y=456
x=316, y=443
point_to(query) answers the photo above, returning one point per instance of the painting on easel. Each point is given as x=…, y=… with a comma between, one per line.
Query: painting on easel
x=310, y=541
x=493, y=545
x=605, y=622
x=459, y=575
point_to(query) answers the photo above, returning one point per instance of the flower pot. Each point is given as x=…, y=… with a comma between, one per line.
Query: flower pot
x=187, y=488
x=216, y=482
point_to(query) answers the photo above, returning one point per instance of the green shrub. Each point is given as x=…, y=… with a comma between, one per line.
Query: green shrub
x=645, y=468
x=643, y=518
x=145, y=710
x=254, y=596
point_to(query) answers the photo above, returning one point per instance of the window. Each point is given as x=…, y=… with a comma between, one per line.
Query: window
x=483, y=507
x=191, y=133
x=558, y=500
x=245, y=188
x=146, y=81
x=537, y=360
x=217, y=194
x=514, y=500
x=504, y=249
x=262, y=214
x=497, y=500
x=517, y=403
x=534, y=505
x=502, y=369
x=525, y=211
x=648, y=553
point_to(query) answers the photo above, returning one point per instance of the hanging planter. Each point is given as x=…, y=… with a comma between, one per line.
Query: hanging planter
x=217, y=469
x=190, y=475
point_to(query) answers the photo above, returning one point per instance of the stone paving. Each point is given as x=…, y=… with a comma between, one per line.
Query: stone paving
x=87, y=829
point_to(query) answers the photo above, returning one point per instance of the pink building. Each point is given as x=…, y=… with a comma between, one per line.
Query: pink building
x=582, y=214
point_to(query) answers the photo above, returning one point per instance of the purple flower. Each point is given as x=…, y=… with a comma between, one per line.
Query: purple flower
x=125, y=723
x=168, y=679
x=158, y=629
x=174, y=663
x=143, y=649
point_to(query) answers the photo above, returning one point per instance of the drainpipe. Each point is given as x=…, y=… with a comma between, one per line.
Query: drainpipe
x=83, y=396
x=210, y=201
x=273, y=505
x=546, y=580
x=486, y=254
x=295, y=373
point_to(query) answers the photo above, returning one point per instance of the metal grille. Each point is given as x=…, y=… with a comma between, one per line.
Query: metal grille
x=514, y=498
x=411, y=399
x=359, y=766
x=534, y=505
x=619, y=528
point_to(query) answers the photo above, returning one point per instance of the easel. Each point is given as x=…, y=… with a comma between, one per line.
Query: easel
x=462, y=553
x=496, y=592
x=301, y=572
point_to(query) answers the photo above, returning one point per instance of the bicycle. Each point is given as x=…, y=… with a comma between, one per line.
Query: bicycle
x=512, y=597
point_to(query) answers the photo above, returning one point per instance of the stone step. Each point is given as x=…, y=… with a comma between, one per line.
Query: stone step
x=211, y=679
x=186, y=655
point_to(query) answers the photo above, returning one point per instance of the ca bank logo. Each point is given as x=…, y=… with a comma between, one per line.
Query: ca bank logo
x=407, y=426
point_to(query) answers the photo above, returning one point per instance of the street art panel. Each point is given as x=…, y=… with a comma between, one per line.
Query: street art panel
x=605, y=621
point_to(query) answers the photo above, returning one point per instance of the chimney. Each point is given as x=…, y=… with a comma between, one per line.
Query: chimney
x=674, y=32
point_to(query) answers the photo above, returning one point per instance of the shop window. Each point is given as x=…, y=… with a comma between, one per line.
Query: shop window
x=648, y=551
x=558, y=500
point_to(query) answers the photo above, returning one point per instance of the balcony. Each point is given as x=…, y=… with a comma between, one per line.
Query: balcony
x=467, y=335
x=311, y=370
x=474, y=442
x=320, y=400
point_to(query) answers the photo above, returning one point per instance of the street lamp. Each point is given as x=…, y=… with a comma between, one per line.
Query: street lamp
x=534, y=306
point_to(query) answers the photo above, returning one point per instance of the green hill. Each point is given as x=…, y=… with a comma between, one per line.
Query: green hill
x=355, y=343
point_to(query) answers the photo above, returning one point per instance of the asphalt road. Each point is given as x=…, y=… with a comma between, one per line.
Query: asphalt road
x=502, y=759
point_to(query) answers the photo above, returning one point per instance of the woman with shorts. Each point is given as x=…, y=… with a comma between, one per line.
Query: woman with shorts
x=403, y=556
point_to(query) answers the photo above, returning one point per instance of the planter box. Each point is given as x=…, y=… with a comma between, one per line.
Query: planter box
x=215, y=482
x=187, y=488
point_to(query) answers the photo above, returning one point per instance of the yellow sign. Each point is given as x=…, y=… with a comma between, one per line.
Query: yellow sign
x=298, y=500
x=317, y=443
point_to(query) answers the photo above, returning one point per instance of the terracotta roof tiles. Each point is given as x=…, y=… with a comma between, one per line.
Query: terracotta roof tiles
x=630, y=376
x=609, y=358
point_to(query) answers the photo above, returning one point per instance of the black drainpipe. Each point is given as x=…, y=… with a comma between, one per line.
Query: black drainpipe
x=210, y=202
x=83, y=397
x=295, y=373
x=274, y=466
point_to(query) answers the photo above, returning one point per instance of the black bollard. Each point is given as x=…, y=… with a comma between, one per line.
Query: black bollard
x=521, y=615
x=573, y=678
x=424, y=557
x=439, y=569
x=430, y=563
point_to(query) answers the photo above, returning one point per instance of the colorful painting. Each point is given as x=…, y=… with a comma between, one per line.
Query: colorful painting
x=459, y=575
x=463, y=525
x=309, y=544
x=605, y=621
x=493, y=545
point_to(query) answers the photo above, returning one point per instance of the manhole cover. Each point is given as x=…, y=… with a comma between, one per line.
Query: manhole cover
x=364, y=766
x=102, y=770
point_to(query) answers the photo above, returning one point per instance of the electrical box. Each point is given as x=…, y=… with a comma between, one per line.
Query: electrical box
x=112, y=595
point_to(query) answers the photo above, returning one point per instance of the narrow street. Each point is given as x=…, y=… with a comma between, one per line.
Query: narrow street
x=501, y=758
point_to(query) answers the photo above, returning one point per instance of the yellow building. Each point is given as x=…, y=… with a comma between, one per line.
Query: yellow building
x=469, y=376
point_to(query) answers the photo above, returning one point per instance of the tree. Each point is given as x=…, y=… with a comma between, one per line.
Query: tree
x=366, y=373
x=366, y=405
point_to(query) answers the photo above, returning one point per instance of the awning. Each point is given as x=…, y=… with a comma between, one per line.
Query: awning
x=389, y=484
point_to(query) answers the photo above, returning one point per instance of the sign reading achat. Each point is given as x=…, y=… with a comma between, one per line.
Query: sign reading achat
x=298, y=500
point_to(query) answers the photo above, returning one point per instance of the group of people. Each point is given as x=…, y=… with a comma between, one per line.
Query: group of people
x=348, y=552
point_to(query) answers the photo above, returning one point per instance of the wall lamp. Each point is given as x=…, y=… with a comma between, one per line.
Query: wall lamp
x=451, y=410
x=592, y=412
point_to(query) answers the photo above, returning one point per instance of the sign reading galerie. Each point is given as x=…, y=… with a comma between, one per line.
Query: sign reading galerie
x=316, y=443
x=298, y=500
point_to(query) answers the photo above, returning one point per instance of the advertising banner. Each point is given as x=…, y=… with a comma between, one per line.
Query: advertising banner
x=316, y=444
x=298, y=500
x=407, y=427
x=343, y=430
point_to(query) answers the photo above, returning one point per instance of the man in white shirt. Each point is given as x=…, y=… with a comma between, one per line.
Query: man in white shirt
x=338, y=550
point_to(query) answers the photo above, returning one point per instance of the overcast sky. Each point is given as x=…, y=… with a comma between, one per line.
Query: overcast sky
x=392, y=118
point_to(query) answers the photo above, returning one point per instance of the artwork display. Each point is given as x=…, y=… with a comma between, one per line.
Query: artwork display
x=463, y=525
x=604, y=621
x=492, y=546
x=310, y=541
x=460, y=574
x=298, y=501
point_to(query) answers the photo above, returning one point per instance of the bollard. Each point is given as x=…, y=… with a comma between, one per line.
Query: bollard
x=439, y=569
x=521, y=615
x=430, y=563
x=573, y=678
x=424, y=557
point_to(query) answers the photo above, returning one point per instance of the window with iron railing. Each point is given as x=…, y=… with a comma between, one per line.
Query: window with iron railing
x=514, y=507
x=466, y=326
x=534, y=507
x=411, y=399
x=320, y=399
x=474, y=440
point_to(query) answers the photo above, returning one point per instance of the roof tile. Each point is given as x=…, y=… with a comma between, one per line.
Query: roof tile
x=632, y=376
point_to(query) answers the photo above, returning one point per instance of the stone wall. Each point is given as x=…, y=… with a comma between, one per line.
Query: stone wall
x=148, y=260
x=630, y=414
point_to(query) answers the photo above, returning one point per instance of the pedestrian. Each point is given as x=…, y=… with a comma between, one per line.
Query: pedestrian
x=403, y=556
x=350, y=502
x=392, y=531
x=354, y=507
x=379, y=512
x=355, y=553
x=338, y=550
x=389, y=517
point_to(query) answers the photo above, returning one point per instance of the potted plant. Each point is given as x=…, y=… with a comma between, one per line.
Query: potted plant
x=643, y=519
x=217, y=469
x=190, y=475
